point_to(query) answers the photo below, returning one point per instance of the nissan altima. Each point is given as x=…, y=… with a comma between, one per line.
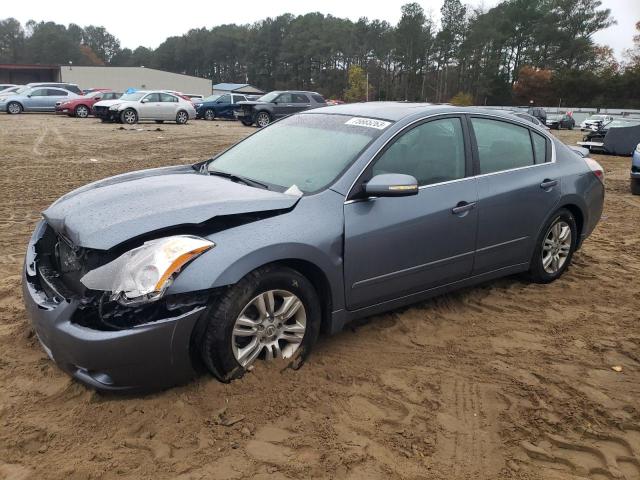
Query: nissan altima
x=145, y=279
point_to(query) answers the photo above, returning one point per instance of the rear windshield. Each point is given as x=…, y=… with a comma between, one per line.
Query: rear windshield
x=308, y=151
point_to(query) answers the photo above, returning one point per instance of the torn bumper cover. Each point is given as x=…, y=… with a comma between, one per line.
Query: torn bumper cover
x=151, y=354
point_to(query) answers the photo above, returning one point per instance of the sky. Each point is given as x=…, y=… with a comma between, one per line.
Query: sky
x=149, y=23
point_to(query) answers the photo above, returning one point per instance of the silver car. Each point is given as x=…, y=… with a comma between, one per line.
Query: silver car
x=159, y=106
x=34, y=99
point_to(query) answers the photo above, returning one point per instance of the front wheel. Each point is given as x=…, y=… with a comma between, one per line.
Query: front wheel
x=555, y=248
x=209, y=114
x=182, y=117
x=129, y=116
x=82, y=111
x=273, y=312
x=14, y=108
x=635, y=186
x=263, y=119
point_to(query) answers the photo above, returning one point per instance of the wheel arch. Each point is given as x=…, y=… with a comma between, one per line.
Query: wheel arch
x=14, y=101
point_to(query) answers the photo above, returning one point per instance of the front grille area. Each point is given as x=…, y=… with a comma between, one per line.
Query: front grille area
x=102, y=112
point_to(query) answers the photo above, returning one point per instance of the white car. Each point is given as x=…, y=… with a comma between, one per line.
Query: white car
x=157, y=105
x=593, y=121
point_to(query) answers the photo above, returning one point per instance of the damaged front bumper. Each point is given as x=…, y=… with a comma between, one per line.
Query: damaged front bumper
x=147, y=356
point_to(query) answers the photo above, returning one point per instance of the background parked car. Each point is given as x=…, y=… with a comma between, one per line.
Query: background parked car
x=35, y=99
x=276, y=105
x=82, y=107
x=159, y=106
x=218, y=106
x=11, y=90
x=557, y=121
x=4, y=86
x=538, y=112
x=195, y=98
x=635, y=171
x=71, y=87
x=593, y=121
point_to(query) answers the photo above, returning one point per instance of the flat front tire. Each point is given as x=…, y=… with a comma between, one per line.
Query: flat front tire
x=273, y=312
x=635, y=186
x=555, y=247
x=247, y=123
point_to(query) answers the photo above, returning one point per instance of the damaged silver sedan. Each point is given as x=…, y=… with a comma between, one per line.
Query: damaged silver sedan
x=142, y=280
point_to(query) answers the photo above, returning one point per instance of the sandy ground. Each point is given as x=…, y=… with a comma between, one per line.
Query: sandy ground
x=505, y=380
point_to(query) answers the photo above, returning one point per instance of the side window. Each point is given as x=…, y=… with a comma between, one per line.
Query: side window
x=165, y=97
x=39, y=93
x=432, y=152
x=300, y=98
x=153, y=97
x=238, y=98
x=53, y=92
x=539, y=147
x=284, y=98
x=225, y=99
x=501, y=145
x=318, y=98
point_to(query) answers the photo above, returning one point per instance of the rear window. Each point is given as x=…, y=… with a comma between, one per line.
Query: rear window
x=502, y=145
x=318, y=98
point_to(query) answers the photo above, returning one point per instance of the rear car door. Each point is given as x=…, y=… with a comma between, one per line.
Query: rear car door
x=54, y=95
x=224, y=106
x=168, y=107
x=300, y=102
x=149, y=106
x=518, y=187
x=403, y=245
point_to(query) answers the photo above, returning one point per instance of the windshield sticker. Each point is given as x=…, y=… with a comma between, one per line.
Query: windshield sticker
x=368, y=122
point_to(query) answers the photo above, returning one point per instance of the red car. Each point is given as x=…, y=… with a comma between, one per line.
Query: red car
x=81, y=107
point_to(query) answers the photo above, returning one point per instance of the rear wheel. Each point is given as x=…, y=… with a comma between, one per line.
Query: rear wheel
x=273, y=312
x=209, y=114
x=555, y=248
x=82, y=111
x=159, y=121
x=635, y=186
x=129, y=116
x=263, y=119
x=247, y=123
x=14, y=108
x=182, y=117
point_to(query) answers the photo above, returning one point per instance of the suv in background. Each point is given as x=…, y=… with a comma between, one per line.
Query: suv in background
x=538, y=112
x=275, y=105
x=218, y=106
x=72, y=87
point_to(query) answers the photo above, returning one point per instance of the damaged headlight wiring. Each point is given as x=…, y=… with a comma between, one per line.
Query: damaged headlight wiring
x=143, y=274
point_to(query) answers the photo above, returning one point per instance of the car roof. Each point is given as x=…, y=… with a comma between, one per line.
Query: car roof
x=395, y=111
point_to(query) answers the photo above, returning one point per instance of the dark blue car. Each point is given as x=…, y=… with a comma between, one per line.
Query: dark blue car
x=218, y=106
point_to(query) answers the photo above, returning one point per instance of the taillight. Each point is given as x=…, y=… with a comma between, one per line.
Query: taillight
x=596, y=168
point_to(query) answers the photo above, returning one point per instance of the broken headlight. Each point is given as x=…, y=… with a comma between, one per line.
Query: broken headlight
x=144, y=273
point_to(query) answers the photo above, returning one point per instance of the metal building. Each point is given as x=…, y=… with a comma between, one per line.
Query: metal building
x=244, y=88
x=141, y=78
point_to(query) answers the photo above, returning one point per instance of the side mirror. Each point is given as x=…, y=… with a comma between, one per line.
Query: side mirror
x=145, y=100
x=29, y=96
x=391, y=185
x=97, y=99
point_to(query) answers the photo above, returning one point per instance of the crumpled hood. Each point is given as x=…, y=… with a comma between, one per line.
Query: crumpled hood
x=106, y=213
x=107, y=103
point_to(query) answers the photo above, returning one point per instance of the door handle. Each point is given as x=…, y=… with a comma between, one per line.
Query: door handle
x=546, y=183
x=463, y=207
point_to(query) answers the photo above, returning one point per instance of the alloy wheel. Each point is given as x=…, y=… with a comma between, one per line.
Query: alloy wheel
x=263, y=119
x=130, y=117
x=182, y=118
x=209, y=114
x=82, y=111
x=14, y=108
x=556, y=247
x=274, y=322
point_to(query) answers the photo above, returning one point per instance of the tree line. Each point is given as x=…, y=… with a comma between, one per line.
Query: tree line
x=519, y=51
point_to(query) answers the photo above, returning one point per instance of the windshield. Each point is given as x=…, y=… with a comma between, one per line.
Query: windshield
x=269, y=97
x=211, y=98
x=308, y=151
x=595, y=118
x=622, y=123
x=132, y=97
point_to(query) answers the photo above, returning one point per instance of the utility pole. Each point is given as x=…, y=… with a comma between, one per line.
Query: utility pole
x=367, y=86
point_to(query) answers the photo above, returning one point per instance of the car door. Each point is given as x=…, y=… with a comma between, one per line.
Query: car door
x=282, y=105
x=54, y=95
x=232, y=106
x=168, y=107
x=398, y=246
x=224, y=107
x=518, y=187
x=36, y=100
x=300, y=102
x=149, y=106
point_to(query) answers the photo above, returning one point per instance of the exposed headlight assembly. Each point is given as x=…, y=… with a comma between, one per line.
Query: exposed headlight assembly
x=143, y=274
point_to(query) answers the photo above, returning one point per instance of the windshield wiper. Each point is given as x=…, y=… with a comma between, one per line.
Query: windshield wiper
x=238, y=178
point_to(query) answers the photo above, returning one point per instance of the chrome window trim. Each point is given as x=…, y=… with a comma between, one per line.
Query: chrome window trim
x=519, y=122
